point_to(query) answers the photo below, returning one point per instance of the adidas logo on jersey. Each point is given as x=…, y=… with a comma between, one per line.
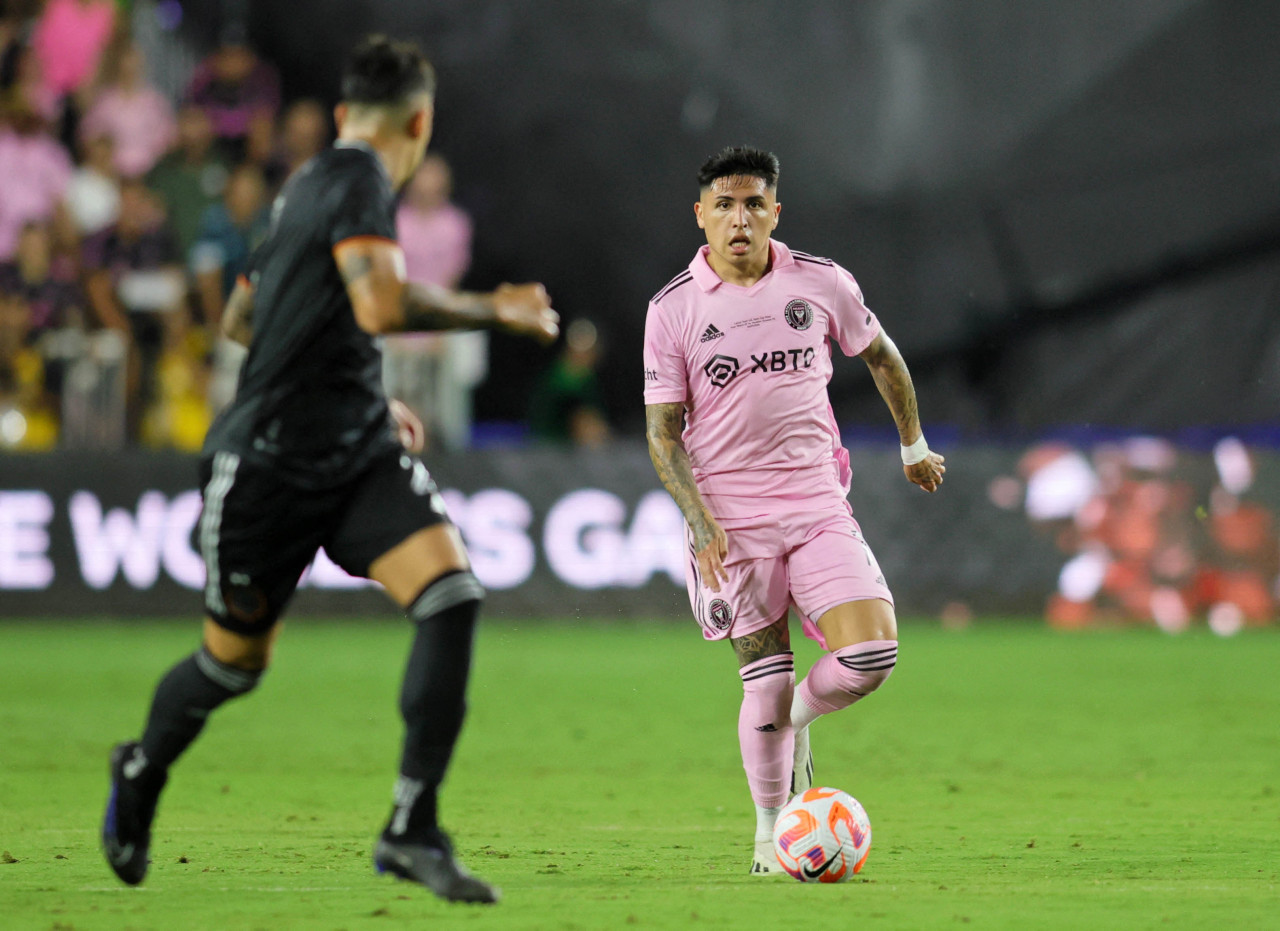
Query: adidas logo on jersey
x=711, y=333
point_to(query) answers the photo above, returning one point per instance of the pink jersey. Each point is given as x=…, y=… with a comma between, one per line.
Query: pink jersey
x=751, y=366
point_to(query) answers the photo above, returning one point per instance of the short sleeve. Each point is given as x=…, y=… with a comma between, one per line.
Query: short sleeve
x=851, y=324
x=364, y=206
x=665, y=380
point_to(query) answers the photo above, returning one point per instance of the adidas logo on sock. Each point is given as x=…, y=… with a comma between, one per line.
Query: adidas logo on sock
x=711, y=333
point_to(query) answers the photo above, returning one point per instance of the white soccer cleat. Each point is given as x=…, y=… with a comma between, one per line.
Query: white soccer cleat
x=802, y=764
x=764, y=862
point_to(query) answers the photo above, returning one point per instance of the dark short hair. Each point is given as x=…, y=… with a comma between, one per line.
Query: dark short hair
x=737, y=161
x=385, y=72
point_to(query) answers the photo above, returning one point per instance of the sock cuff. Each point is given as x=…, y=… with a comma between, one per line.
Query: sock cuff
x=235, y=680
x=868, y=656
x=447, y=591
x=804, y=692
x=779, y=664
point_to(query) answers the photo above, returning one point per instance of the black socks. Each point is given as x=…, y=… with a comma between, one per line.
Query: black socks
x=183, y=700
x=433, y=698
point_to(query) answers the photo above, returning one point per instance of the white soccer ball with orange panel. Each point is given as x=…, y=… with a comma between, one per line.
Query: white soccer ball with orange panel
x=822, y=836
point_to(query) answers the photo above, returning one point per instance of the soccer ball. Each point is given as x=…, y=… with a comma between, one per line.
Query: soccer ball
x=822, y=836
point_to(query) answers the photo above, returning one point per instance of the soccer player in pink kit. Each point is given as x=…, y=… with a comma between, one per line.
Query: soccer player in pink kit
x=737, y=357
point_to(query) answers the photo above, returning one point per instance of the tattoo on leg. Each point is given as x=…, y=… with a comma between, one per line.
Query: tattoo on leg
x=774, y=639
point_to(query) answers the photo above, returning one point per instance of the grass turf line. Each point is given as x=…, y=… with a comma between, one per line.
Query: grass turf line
x=1015, y=778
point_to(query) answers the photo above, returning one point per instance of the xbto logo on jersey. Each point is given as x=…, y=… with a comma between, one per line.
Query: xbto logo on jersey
x=799, y=315
x=783, y=360
x=721, y=370
x=720, y=613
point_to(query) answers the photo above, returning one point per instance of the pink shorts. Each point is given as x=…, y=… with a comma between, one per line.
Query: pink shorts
x=807, y=560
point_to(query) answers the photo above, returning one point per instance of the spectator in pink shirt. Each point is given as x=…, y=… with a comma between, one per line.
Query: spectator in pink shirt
x=436, y=374
x=241, y=95
x=137, y=117
x=434, y=233
x=70, y=39
x=34, y=173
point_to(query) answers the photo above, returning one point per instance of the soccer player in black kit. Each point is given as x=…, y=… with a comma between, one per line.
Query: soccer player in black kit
x=306, y=456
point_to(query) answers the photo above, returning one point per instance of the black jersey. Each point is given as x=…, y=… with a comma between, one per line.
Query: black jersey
x=310, y=401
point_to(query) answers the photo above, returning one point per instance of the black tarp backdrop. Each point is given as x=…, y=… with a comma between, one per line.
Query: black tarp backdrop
x=1065, y=212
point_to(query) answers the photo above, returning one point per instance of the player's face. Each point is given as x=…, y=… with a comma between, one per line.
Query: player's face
x=738, y=214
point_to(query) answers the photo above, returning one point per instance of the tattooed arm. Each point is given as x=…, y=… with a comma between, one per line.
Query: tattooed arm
x=666, y=449
x=894, y=383
x=384, y=302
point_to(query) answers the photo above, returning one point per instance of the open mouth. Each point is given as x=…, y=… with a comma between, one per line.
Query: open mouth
x=739, y=245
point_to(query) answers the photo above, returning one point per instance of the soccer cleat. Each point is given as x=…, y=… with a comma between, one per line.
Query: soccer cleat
x=131, y=807
x=802, y=764
x=764, y=862
x=434, y=867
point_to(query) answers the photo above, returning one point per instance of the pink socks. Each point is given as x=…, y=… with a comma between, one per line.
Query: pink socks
x=764, y=727
x=773, y=707
x=839, y=679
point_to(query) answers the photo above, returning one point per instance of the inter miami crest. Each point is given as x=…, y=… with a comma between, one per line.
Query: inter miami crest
x=799, y=315
x=720, y=613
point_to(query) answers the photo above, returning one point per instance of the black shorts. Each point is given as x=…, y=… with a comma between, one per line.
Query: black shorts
x=258, y=533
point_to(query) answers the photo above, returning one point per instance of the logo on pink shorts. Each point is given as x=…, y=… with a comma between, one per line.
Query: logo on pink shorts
x=720, y=613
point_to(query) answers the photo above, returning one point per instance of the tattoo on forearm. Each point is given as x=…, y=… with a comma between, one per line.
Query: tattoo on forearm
x=355, y=266
x=893, y=380
x=438, y=309
x=898, y=392
x=774, y=639
x=662, y=427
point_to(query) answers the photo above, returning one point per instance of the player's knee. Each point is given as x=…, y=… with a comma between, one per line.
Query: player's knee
x=867, y=666
x=235, y=679
x=456, y=596
x=238, y=650
x=767, y=686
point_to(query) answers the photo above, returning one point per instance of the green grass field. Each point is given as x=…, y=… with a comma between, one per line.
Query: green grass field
x=1015, y=778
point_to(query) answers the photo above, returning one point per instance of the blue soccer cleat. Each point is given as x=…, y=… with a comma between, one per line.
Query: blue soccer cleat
x=131, y=807
x=434, y=867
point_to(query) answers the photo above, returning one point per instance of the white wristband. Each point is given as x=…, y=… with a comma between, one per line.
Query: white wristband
x=916, y=452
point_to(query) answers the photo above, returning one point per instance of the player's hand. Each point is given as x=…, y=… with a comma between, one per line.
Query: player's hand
x=409, y=430
x=927, y=473
x=711, y=554
x=525, y=309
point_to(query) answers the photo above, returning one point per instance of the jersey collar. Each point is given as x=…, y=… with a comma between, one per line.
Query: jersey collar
x=708, y=280
x=364, y=147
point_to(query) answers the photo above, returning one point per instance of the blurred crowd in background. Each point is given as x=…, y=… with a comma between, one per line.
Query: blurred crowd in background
x=131, y=197
x=1151, y=533
x=136, y=176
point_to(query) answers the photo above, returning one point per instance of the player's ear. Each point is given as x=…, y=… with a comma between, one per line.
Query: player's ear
x=339, y=115
x=419, y=123
x=777, y=212
x=697, y=212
